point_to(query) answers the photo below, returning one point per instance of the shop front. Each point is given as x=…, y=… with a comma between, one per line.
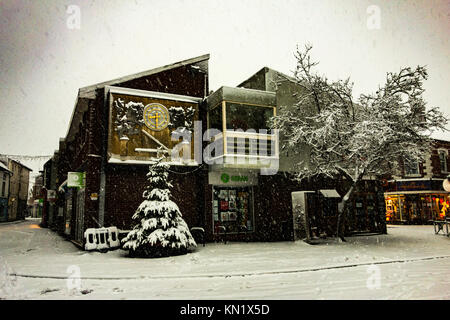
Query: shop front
x=417, y=202
x=232, y=202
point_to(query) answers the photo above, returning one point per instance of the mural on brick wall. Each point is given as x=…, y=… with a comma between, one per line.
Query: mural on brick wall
x=145, y=127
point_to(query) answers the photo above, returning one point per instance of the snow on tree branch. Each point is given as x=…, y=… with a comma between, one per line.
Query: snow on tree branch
x=350, y=139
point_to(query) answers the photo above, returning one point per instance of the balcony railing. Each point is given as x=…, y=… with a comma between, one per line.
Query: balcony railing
x=245, y=148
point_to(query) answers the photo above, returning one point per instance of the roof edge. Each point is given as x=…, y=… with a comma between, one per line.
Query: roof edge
x=85, y=91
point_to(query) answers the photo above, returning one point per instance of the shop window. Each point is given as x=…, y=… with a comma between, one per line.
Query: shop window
x=232, y=209
x=443, y=155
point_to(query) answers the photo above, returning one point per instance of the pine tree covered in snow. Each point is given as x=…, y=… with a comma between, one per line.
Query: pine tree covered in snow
x=160, y=229
x=353, y=139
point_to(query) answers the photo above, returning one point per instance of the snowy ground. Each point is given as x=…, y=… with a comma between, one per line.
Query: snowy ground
x=410, y=262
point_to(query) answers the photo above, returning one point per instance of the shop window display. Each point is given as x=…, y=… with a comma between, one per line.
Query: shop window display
x=232, y=209
x=416, y=208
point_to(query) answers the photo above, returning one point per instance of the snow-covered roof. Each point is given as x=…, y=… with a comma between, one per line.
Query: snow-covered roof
x=4, y=168
x=153, y=94
x=89, y=91
x=18, y=162
x=264, y=71
x=241, y=95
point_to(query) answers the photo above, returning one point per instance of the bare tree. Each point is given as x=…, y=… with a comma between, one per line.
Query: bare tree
x=356, y=139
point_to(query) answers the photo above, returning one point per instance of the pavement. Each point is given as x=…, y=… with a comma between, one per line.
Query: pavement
x=409, y=262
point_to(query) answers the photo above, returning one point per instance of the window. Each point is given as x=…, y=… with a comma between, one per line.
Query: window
x=4, y=185
x=215, y=118
x=411, y=167
x=232, y=209
x=247, y=133
x=443, y=160
x=242, y=116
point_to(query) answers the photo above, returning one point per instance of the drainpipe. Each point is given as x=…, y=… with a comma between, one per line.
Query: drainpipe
x=102, y=193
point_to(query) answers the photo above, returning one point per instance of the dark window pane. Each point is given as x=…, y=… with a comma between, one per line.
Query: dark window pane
x=215, y=118
x=241, y=116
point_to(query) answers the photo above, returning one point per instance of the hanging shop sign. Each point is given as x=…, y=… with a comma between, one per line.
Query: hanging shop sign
x=76, y=179
x=142, y=125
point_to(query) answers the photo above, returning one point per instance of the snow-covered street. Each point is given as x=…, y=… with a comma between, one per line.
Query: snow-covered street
x=410, y=262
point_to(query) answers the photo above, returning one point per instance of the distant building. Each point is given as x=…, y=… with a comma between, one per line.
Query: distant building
x=416, y=194
x=50, y=214
x=18, y=188
x=37, y=196
x=5, y=175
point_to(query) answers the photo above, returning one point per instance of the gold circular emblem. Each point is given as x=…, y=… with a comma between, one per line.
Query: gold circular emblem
x=156, y=116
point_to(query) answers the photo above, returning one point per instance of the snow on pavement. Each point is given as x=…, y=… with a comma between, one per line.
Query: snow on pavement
x=411, y=262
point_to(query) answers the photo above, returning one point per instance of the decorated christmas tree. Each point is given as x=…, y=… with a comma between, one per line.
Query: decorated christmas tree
x=160, y=229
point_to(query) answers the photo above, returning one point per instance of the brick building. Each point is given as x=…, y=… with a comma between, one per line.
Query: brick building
x=242, y=186
x=18, y=188
x=5, y=175
x=37, y=196
x=416, y=194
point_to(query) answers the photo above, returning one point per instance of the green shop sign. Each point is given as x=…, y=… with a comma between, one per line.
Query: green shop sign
x=225, y=177
x=76, y=179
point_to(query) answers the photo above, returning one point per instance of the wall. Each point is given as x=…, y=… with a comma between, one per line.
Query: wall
x=125, y=185
x=18, y=190
x=4, y=193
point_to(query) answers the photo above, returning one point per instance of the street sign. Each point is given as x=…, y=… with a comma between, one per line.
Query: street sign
x=51, y=195
x=76, y=179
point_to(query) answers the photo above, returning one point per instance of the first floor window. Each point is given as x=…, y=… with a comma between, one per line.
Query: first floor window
x=411, y=167
x=443, y=160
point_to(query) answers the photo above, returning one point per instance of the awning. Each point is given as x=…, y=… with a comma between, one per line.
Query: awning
x=330, y=193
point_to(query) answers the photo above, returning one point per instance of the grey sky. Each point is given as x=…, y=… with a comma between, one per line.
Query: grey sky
x=43, y=62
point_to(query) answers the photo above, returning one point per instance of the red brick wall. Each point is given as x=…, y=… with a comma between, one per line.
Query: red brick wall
x=436, y=167
x=125, y=185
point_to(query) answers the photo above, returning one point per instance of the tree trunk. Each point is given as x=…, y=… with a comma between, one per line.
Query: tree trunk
x=342, y=211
